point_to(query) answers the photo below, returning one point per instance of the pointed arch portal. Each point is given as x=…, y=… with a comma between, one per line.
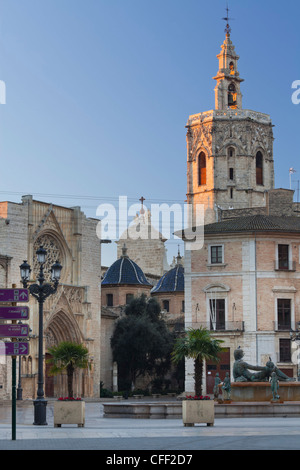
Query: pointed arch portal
x=62, y=326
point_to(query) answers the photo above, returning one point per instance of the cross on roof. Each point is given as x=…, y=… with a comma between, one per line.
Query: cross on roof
x=226, y=18
x=142, y=199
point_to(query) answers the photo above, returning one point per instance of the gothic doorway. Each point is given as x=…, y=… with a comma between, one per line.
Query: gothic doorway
x=61, y=327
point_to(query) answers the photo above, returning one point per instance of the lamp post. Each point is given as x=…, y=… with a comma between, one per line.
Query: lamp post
x=40, y=291
x=19, y=389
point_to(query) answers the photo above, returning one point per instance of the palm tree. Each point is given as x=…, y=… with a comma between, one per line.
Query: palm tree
x=197, y=344
x=68, y=356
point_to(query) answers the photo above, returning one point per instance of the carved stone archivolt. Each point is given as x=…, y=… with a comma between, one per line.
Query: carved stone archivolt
x=73, y=296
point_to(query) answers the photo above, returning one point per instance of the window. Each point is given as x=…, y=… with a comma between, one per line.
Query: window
x=129, y=298
x=284, y=314
x=230, y=150
x=259, y=168
x=232, y=95
x=284, y=350
x=166, y=305
x=231, y=173
x=216, y=254
x=109, y=300
x=182, y=306
x=217, y=314
x=201, y=169
x=283, y=256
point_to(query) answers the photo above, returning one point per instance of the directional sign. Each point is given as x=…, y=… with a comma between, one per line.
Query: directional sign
x=14, y=313
x=14, y=331
x=14, y=295
x=14, y=348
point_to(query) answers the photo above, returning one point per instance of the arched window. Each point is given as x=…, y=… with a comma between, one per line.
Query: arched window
x=231, y=151
x=232, y=95
x=201, y=169
x=259, y=168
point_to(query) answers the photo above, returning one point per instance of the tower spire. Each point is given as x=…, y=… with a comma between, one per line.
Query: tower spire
x=226, y=18
x=227, y=90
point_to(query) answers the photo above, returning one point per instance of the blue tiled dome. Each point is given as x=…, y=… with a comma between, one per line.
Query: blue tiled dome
x=171, y=281
x=125, y=271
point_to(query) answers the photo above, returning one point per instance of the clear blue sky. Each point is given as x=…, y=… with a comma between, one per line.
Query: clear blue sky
x=98, y=92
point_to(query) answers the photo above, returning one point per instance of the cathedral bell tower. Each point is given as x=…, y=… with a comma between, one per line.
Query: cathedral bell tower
x=228, y=92
x=229, y=149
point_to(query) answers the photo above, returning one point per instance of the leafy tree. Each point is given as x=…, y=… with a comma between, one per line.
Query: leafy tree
x=197, y=344
x=141, y=342
x=68, y=356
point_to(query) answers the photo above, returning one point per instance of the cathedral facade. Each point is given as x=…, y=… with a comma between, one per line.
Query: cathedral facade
x=73, y=313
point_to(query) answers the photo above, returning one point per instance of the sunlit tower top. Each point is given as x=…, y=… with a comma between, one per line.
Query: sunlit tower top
x=227, y=91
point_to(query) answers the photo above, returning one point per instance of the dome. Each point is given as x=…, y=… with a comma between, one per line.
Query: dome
x=124, y=271
x=171, y=281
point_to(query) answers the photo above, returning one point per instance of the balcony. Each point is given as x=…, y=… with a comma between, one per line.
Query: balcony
x=218, y=326
x=282, y=326
x=286, y=265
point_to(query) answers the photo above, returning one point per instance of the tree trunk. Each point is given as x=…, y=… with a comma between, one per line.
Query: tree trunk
x=198, y=368
x=70, y=372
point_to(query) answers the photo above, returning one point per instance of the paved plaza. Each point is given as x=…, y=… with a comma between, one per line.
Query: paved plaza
x=158, y=435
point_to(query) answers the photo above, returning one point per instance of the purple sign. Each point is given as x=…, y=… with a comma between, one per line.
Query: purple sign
x=14, y=331
x=14, y=313
x=14, y=295
x=14, y=348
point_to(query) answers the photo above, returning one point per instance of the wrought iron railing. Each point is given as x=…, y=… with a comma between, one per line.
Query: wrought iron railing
x=217, y=326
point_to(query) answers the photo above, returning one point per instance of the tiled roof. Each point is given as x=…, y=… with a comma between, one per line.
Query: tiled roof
x=124, y=271
x=171, y=281
x=255, y=223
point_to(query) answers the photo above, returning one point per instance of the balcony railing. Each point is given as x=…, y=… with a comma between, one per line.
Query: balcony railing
x=218, y=326
x=287, y=265
x=280, y=326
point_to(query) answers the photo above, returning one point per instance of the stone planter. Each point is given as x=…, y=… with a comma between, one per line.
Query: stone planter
x=69, y=412
x=198, y=411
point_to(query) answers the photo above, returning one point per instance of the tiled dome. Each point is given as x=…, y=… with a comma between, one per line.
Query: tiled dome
x=124, y=271
x=171, y=281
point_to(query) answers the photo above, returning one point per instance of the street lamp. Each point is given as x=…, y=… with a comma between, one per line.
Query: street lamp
x=40, y=291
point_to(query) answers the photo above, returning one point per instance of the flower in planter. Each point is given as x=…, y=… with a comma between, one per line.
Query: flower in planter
x=69, y=399
x=197, y=397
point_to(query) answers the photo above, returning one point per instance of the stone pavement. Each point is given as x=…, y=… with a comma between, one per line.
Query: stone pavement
x=157, y=435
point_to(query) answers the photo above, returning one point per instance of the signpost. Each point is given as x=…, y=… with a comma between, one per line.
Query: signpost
x=14, y=295
x=14, y=313
x=15, y=348
x=13, y=330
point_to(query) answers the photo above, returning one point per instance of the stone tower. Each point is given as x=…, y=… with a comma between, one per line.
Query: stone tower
x=229, y=149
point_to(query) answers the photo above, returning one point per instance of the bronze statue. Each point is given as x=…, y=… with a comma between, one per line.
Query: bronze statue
x=216, y=387
x=226, y=387
x=274, y=386
x=241, y=372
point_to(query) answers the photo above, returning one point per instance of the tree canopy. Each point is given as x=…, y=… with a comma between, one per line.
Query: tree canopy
x=142, y=342
x=199, y=345
x=68, y=356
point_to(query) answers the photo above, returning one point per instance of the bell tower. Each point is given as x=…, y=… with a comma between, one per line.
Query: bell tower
x=229, y=149
x=228, y=89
